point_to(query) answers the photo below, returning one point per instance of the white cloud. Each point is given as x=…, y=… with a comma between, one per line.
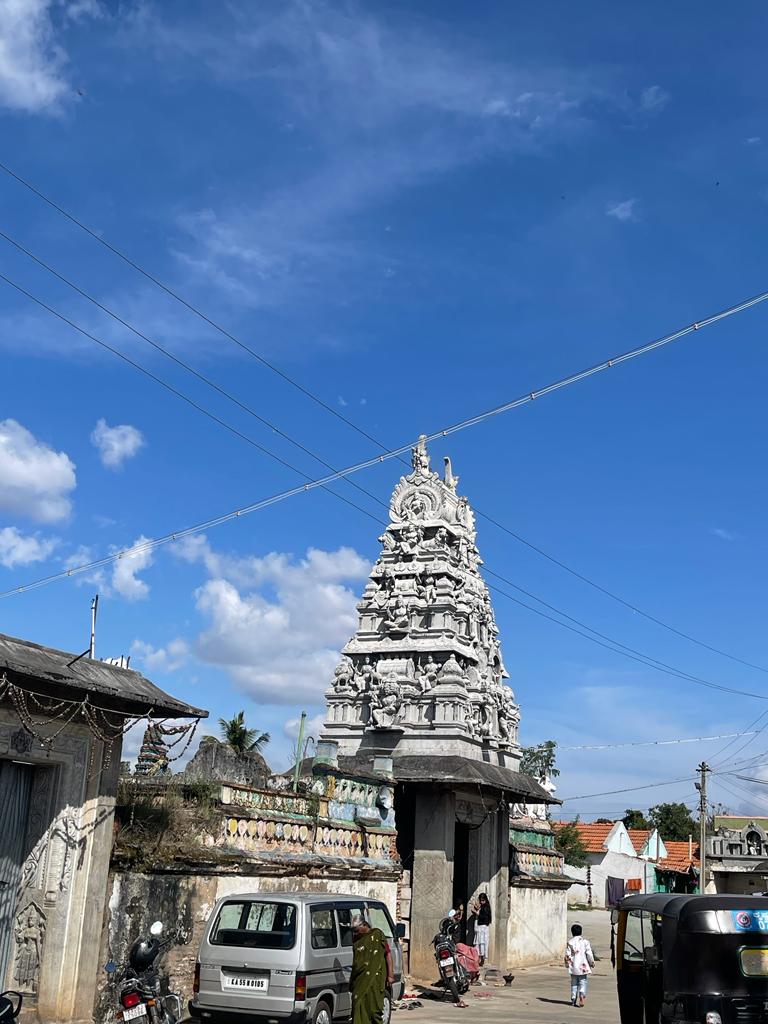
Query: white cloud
x=35, y=480
x=116, y=444
x=161, y=659
x=32, y=61
x=753, y=140
x=125, y=580
x=386, y=108
x=653, y=99
x=622, y=211
x=718, y=531
x=19, y=549
x=276, y=623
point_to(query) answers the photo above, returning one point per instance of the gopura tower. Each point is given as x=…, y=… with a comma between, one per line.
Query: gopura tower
x=423, y=680
x=423, y=674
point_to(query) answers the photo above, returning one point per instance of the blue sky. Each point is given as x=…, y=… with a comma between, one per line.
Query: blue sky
x=417, y=211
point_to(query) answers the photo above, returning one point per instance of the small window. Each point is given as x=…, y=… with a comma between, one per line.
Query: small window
x=345, y=921
x=379, y=918
x=323, y=928
x=255, y=924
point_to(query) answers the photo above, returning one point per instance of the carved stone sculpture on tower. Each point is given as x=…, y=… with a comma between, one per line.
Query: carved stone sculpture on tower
x=425, y=662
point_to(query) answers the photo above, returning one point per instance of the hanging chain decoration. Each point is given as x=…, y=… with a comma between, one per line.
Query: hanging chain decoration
x=95, y=718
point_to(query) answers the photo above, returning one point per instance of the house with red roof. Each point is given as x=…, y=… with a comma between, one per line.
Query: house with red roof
x=622, y=861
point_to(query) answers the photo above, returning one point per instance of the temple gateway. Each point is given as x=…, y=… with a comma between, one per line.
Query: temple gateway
x=423, y=682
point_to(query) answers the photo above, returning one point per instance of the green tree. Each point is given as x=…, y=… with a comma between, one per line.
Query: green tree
x=235, y=732
x=539, y=761
x=636, y=819
x=674, y=821
x=568, y=841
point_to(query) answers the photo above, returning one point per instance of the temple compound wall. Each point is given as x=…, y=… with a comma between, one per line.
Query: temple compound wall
x=335, y=835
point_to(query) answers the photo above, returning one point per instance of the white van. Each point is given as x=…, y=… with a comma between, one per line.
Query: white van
x=285, y=958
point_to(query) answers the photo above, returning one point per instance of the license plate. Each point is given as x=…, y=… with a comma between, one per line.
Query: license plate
x=447, y=960
x=247, y=981
x=134, y=1012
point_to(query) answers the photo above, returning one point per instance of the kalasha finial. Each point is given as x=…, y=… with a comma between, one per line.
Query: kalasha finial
x=420, y=455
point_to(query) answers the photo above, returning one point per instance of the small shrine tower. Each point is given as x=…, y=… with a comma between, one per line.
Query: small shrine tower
x=423, y=681
x=424, y=672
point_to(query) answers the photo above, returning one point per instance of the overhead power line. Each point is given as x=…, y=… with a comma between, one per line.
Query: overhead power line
x=602, y=640
x=273, y=427
x=592, y=634
x=184, y=398
x=595, y=636
x=655, y=743
x=98, y=237
x=669, y=782
x=386, y=455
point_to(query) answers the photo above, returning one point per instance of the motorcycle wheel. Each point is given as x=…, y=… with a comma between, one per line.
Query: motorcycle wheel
x=453, y=989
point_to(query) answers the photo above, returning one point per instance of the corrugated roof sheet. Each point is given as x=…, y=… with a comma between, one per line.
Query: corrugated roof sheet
x=123, y=689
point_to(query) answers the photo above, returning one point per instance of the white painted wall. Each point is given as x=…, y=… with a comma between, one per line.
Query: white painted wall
x=603, y=865
x=536, y=929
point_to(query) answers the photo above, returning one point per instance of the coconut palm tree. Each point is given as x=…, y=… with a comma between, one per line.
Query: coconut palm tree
x=242, y=739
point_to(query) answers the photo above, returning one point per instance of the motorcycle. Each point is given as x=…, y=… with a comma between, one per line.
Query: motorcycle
x=10, y=1006
x=453, y=974
x=138, y=992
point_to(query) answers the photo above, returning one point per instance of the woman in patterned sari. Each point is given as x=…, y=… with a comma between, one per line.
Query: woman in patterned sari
x=371, y=972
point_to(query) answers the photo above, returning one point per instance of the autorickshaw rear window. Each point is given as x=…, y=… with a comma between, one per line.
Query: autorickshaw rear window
x=255, y=924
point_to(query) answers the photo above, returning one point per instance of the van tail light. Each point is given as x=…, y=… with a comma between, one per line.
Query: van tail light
x=129, y=999
x=196, y=982
x=300, y=993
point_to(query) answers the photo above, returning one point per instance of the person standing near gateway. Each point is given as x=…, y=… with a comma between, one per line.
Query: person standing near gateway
x=483, y=917
x=579, y=960
x=371, y=972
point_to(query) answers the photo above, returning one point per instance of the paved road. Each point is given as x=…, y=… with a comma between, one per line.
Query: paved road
x=539, y=995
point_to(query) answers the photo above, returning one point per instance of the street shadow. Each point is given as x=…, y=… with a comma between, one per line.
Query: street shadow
x=557, y=1002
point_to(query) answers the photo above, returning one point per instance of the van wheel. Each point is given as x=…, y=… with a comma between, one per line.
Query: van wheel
x=322, y=1014
x=387, y=1006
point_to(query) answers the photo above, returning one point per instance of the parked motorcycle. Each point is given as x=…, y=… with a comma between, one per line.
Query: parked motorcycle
x=453, y=975
x=10, y=1006
x=138, y=992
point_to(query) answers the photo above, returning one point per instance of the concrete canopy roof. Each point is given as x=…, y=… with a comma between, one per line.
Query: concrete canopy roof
x=47, y=671
x=456, y=770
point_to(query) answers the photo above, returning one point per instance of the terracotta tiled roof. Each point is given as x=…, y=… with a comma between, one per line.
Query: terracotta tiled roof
x=678, y=856
x=639, y=837
x=593, y=833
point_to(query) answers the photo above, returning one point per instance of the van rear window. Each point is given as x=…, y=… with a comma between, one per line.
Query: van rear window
x=255, y=924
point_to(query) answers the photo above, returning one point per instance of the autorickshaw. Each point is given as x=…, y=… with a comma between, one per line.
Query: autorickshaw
x=701, y=959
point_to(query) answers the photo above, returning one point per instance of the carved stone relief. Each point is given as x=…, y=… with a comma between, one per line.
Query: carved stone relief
x=30, y=935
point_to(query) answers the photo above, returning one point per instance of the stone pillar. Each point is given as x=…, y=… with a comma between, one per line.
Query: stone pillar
x=432, y=880
x=72, y=964
x=498, y=891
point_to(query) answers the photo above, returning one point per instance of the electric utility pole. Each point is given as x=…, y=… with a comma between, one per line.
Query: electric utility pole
x=703, y=768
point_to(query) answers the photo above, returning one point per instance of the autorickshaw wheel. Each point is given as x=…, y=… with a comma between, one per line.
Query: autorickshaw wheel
x=322, y=1014
x=387, y=1006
